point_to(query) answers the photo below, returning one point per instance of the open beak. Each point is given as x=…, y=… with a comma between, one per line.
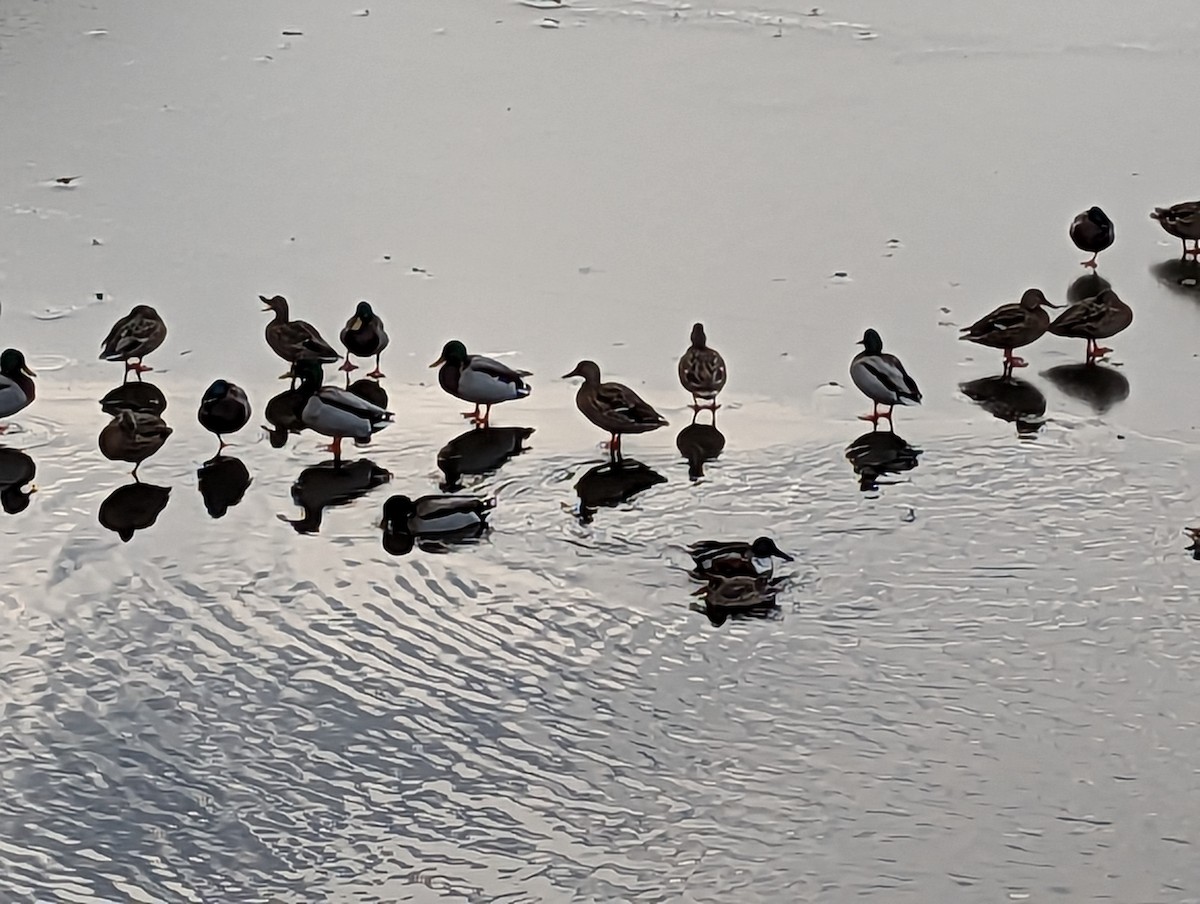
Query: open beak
x=264, y=300
x=438, y=363
x=28, y=372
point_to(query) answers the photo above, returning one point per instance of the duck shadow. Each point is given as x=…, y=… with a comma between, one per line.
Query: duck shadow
x=478, y=451
x=144, y=398
x=222, y=482
x=699, y=444
x=328, y=484
x=1098, y=386
x=1009, y=399
x=133, y=507
x=1179, y=275
x=17, y=471
x=1087, y=286
x=878, y=453
x=612, y=483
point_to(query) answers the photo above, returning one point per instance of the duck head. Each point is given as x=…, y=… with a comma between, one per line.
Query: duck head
x=699, y=339
x=362, y=315
x=12, y=362
x=589, y=370
x=217, y=391
x=396, y=511
x=871, y=342
x=765, y=548
x=453, y=353
x=277, y=303
x=1099, y=217
x=1032, y=298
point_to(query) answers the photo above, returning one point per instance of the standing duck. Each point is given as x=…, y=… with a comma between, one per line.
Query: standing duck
x=16, y=387
x=1183, y=222
x=224, y=409
x=882, y=379
x=337, y=413
x=1012, y=326
x=1095, y=318
x=702, y=371
x=479, y=380
x=1092, y=231
x=134, y=336
x=364, y=336
x=612, y=406
x=133, y=436
x=295, y=340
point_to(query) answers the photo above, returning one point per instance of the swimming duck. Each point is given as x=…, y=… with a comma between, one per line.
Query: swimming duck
x=702, y=371
x=1183, y=222
x=612, y=406
x=133, y=436
x=16, y=389
x=224, y=409
x=1092, y=231
x=295, y=340
x=882, y=379
x=479, y=380
x=1095, y=318
x=740, y=593
x=364, y=336
x=716, y=558
x=337, y=413
x=1012, y=326
x=432, y=515
x=136, y=335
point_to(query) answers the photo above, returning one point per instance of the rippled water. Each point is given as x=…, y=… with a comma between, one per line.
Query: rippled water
x=218, y=686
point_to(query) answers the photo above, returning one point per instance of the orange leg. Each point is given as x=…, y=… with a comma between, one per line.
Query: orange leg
x=376, y=374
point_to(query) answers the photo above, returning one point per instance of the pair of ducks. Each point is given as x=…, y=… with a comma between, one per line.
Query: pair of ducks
x=297, y=341
x=1093, y=231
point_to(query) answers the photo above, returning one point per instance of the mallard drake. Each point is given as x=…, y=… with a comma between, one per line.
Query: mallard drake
x=133, y=436
x=364, y=336
x=224, y=409
x=1012, y=326
x=882, y=379
x=1183, y=222
x=702, y=371
x=1094, y=318
x=1092, y=231
x=740, y=593
x=433, y=515
x=16, y=389
x=612, y=406
x=295, y=340
x=134, y=336
x=337, y=413
x=717, y=558
x=479, y=380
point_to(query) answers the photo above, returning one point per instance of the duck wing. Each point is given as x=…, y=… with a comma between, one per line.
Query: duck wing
x=304, y=341
x=490, y=367
x=348, y=402
x=131, y=336
x=995, y=325
x=702, y=369
x=621, y=403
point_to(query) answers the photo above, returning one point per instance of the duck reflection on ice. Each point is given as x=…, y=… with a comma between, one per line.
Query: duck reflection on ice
x=223, y=482
x=143, y=398
x=1087, y=286
x=700, y=444
x=435, y=523
x=609, y=484
x=1180, y=276
x=738, y=596
x=320, y=486
x=1010, y=399
x=877, y=453
x=1099, y=386
x=17, y=471
x=480, y=450
x=133, y=507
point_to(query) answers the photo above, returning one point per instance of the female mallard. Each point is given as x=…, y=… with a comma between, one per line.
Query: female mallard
x=1092, y=231
x=715, y=558
x=1183, y=222
x=223, y=409
x=1012, y=326
x=16, y=389
x=1094, y=318
x=702, y=371
x=337, y=413
x=882, y=379
x=612, y=406
x=294, y=340
x=364, y=336
x=133, y=436
x=134, y=336
x=736, y=594
x=479, y=380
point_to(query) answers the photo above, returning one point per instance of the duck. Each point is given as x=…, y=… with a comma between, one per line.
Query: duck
x=135, y=335
x=133, y=436
x=717, y=558
x=1012, y=326
x=224, y=409
x=882, y=379
x=1092, y=231
x=429, y=516
x=364, y=336
x=16, y=388
x=1183, y=222
x=1094, y=318
x=702, y=371
x=295, y=340
x=737, y=594
x=337, y=413
x=479, y=380
x=612, y=406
